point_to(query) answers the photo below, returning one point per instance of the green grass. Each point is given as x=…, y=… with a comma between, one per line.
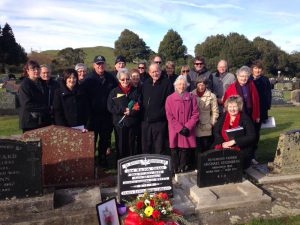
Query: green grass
x=9, y=125
x=295, y=220
x=287, y=118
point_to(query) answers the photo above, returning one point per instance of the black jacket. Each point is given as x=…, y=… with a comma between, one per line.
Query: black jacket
x=154, y=97
x=70, y=107
x=244, y=142
x=117, y=102
x=34, y=111
x=263, y=87
x=97, y=90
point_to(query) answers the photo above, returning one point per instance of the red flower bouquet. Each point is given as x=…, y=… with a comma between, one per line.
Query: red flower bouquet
x=153, y=209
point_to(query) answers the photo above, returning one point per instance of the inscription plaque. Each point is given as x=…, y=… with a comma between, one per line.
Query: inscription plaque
x=20, y=168
x=219, y=167
x=139, y=173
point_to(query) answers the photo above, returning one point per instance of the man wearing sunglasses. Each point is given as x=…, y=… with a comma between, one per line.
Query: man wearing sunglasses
x=143, y=72
x=200, y=70
x=97, y=87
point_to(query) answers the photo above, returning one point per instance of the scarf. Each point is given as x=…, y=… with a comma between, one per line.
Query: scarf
x=126, y=90
x=200, y=94
x=226, y=125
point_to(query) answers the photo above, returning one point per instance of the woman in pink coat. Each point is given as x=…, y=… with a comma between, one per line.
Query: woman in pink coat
x=182, y=115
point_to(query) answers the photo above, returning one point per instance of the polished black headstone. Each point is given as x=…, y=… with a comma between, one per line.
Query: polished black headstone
x=217, y=167
x=139, y=173
x=20, y=168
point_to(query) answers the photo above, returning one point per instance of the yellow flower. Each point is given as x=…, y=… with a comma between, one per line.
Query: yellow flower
x=148, y=211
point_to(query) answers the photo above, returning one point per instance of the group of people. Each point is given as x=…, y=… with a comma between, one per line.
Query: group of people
x=152, y=111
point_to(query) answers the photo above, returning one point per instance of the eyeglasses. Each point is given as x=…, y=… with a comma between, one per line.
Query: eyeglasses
x=198, y=64
x=185, y=71
x=126, y=79
x=158, y=62
x=141, y=68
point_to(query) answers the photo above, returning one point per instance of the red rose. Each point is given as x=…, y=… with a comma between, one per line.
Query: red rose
x=164, y=195
x=152, y=202
x=139, y=204
x=156, y=214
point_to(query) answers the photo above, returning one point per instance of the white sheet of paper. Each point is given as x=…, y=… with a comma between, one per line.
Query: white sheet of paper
x=270, y=123
x=79, y=127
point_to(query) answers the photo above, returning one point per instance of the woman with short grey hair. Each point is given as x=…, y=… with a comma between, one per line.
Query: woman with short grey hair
x=182, y=115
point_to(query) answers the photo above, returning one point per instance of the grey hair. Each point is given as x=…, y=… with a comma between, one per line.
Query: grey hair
x=244, y=69
x=123, y=71
x=46, y=66
x=80, y=65
x=181, y=77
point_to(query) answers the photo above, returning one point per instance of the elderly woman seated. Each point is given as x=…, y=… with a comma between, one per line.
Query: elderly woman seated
x=233, y=118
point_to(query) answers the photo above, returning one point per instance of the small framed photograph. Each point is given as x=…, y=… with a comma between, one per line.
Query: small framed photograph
x=108, y=213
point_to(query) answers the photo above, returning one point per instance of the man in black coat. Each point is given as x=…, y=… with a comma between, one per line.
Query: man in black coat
x=155, y=91
x=97, y=87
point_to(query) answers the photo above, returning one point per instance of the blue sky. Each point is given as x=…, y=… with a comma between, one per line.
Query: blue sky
x=57, y=24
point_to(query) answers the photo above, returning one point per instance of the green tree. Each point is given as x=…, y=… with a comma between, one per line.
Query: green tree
x=238, y=51
x=294, y=60
x=268, y=53
x=131, y=46
x=68, y=57
x=172, y=48
x=211, y=49
x=11, y=52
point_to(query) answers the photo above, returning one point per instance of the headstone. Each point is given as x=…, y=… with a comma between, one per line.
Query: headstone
x=68, y=155
x=139, y=173
x=284, y=86
x=7, y=103
x=11, y=86
x=277, y=97
x=218, y=167
x=20, y=168
x=295, y=96
x=296, y=83
x=287, y=155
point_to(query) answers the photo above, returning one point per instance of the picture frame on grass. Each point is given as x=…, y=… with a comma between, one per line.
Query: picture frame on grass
x=107, y=212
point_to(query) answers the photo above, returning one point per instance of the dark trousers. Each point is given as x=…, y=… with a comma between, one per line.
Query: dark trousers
x=203, y=144
x=103, y=137
x=180, y=158
x=257, y=127
x=154, y=137
x=125, y=139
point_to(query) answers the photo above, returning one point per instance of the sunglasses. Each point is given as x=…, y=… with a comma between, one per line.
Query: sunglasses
x=185, y=71
x=141, y=68
x=198, y=64
x=126, y=79
x=158, y=62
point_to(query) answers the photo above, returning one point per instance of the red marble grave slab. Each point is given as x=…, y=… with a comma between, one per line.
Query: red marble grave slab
x=67, y=155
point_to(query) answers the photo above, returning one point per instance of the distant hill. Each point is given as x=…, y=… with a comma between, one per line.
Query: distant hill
x=91, y=52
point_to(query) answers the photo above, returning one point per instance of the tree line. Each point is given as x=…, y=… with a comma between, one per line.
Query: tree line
x=234, y=47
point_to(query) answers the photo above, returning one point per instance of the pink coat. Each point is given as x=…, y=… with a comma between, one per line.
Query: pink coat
x=182, y=111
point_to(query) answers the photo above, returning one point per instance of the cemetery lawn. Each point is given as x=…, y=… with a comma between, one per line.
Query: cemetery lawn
x=9, y=125
x=295, y=220
x=286, y=118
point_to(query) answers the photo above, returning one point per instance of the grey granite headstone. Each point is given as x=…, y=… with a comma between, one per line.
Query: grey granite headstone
x=277, y=97
x=7, y=103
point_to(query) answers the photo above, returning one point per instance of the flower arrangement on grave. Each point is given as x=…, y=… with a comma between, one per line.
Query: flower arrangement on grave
x=154, y=209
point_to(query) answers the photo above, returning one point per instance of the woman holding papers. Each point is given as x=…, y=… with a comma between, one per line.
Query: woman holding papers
x=69, y=104
x=123, y=103
x=244, y=133
x=182, y=115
